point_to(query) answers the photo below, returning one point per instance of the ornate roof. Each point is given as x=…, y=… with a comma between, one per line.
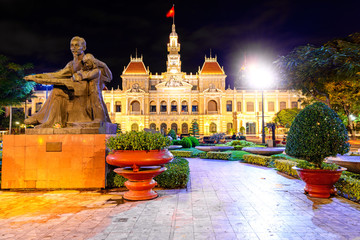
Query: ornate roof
x=136, y=66
x=211, y=66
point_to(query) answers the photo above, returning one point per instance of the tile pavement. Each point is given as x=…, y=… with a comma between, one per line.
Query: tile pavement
x=224, y=200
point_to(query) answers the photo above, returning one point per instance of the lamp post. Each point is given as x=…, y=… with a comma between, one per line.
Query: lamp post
x=262, y=116
x=261, y=77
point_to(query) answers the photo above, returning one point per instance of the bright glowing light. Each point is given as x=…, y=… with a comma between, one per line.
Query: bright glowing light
x=352, y=117
x=260, y=76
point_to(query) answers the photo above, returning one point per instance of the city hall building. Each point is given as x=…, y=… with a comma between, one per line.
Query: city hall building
x=173, y=99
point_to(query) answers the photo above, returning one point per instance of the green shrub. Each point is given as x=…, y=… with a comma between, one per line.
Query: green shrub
x=316, y=133
x=176, y=176
x=219, y=155
x=238, y=148
x=186, y=142
x=172, y=134
x=257, y=159
x=194, y=141
x=138, y=141
x=181, y=153
x=176, y=142
x=285, y=166
x=242, y=143
x=349, y=186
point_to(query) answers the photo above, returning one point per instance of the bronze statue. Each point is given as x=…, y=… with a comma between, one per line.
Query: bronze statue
x=76, y=98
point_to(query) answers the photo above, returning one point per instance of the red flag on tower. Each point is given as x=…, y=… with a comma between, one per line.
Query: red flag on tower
x=171, y=12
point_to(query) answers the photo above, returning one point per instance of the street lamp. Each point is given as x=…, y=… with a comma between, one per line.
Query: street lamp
x=261, y=77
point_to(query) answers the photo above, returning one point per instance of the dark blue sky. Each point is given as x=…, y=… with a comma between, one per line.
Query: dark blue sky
x=39, y=31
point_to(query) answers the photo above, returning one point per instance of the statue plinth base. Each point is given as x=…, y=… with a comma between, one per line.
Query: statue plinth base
x=66, y=161
x=76, y=128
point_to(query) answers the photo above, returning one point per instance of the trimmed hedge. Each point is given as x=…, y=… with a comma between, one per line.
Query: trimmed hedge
x=176, y=176
x=285, y=166
x=202, y=155
x=180, y=153
x=218, y=155
x=257, y=159
x=348, y=186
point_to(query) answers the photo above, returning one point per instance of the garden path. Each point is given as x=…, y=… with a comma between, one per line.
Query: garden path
x=224, y=200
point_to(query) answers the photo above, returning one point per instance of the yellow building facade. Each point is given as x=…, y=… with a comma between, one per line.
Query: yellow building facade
x=173, y=99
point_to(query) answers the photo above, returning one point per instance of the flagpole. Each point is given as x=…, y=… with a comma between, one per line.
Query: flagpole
x=174, y=14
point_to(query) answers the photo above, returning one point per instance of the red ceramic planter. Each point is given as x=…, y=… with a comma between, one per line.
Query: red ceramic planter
x=139, y=167
x=136, y=159
x=319, y=183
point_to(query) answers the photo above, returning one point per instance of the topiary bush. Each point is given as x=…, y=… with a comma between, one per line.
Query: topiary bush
x=316, y=133
x=172, y=134
x=186, y=142
x=194, y=141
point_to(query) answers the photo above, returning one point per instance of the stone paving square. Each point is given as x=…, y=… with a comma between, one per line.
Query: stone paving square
x=224, y=200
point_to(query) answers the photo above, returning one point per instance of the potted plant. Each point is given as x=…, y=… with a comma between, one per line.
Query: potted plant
x=141, y=156
x=316, y=133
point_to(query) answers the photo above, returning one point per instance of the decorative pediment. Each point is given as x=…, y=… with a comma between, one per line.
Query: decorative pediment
x=212, y=89
x=135, y=89
x=172, y=84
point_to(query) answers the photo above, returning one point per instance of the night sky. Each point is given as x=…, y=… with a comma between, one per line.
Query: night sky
x=39, y=32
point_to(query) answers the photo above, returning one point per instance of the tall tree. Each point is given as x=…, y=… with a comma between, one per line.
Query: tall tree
x=285, y=117
x=329, y=73
x=13, y=88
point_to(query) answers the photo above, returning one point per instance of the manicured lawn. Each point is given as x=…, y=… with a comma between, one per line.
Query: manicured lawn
x=237, y=155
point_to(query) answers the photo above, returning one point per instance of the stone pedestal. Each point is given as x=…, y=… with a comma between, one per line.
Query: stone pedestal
x=67, y=161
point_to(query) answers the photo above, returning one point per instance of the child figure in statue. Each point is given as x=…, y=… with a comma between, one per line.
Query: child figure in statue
x=91, y=73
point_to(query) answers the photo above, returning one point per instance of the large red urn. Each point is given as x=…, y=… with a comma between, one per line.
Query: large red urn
x=139, y=167
x=319, y=183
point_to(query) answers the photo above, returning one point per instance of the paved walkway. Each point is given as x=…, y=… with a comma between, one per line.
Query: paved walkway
x=225, y=200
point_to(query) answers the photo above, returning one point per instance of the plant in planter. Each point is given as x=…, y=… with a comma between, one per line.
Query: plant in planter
x=316, y=133
x=141, y=156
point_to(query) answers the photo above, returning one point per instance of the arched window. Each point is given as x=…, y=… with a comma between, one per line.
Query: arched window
x=184, y=106
x=153, y=107
x=212, y=106
x=134, y=127
x=153, y=126
x=184, y=128
x=135, y=106
x=163, y=128
x=173, y=106
x=163, y=106
x=229, y=106
x=174, y=127
x=212, y=128
x=194, y=107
